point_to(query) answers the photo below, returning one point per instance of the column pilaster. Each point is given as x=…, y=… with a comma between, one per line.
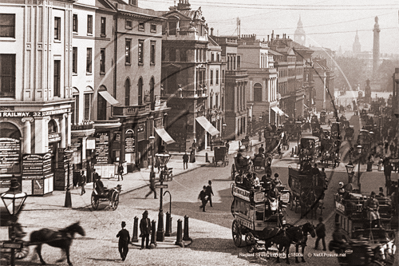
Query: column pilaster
x=27, y=134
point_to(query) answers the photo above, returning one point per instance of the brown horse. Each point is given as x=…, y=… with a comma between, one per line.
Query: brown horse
x=283, y=238
x=60, y=239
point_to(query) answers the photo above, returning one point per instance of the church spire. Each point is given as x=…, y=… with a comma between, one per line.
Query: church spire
x=356, y=44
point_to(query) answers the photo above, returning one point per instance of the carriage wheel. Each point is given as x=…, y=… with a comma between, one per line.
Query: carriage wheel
x=94, y=201
x=233, y=171
x=236, y=231
x=115, y=200
x=250, y=241
x=22, y=252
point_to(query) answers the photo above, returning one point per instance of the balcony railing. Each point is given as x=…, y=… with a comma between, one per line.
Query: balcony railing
x=236, y=73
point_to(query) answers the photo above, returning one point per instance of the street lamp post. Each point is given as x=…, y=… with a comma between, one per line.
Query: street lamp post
x=67, y=157
x=13, y=201
x=163, y=160
x=359, y=150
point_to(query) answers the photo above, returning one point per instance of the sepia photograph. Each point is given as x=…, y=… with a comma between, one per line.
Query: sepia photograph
x=187, y=132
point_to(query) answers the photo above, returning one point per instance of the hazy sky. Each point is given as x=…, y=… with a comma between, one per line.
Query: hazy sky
x=327, y=23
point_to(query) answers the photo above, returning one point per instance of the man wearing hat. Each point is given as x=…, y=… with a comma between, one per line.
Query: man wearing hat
x=340, y=238
x=372, y=205
x=145, y=229
x=124, y=239
x=321, y=234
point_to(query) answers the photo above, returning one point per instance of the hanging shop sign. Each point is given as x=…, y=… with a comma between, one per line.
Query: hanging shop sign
x=10, y=150
x=141, y=132
x=102, y=147
x=129, y=145
x=91, y=144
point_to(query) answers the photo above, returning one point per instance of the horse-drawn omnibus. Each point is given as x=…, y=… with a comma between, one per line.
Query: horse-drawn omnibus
x=307, y=190
x=309, y=149
x=370, y=244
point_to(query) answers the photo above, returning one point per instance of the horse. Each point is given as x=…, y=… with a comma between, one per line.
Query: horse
x=282, y=237
x=306, y=228
x=60, y=239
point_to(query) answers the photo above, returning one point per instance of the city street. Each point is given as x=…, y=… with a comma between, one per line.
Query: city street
x=210, y=231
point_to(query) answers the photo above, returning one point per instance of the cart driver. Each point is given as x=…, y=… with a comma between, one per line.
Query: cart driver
x=241, y=161
x=372, y=205
x=340, y=238
x=100, y=186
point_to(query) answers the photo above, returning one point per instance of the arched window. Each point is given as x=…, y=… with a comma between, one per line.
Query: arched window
x=52, y=127
x=152, y=93
x=8, y=130
x=257, y=92
x=101, y=105
x=127, y=92
x=140, y=91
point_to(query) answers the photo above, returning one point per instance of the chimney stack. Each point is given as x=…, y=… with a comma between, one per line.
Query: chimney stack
x=277, y=36
x=267, y=37
x=272, y=34
x=211, y=31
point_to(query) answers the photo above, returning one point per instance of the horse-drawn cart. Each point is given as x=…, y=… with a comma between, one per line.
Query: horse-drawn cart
x=99, y=195
x=220, y=154
x=307, y=188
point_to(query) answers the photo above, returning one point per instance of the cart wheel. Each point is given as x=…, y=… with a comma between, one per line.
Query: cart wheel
x=114, y=200
x=94, y=201
x=236, y=231
x=22, y=252
x=250, y=242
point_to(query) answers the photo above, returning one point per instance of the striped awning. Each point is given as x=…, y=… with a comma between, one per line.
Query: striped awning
x=164, y=135
x=207, y=125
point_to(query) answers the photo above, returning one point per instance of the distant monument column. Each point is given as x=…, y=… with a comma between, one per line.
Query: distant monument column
x=376, y=47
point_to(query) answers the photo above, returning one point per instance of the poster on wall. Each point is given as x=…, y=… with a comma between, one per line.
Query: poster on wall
x=36, y=165
x=10, y=150
x=129, y=144
x=102, y=148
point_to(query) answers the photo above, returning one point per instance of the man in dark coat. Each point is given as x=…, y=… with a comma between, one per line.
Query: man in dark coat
x=203, y=197
x=321, y=234
x=261, y=149
x=82, y=182
x=120, y=171
x=152, y=186
x=145, y=229
x=387, y=172
x=209, y=192
x=124, y=239
x=185, y=160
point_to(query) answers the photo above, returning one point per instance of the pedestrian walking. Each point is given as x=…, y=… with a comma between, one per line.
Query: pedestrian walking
x=124, y=239
x=185, y=160
x=203, y=197
x=120, y=171
x=152, y=187
x=145, y=230
x=387, y=172
x=321, y=234
x=82, y=182
x=209, y=192
x=261, y=149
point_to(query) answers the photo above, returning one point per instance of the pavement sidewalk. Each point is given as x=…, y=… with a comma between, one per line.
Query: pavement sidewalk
x=131, y=181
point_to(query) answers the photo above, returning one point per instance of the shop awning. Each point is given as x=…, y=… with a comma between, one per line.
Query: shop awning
x=164, y=135
x=279, y=111
x=207, y=125
x=108, y=97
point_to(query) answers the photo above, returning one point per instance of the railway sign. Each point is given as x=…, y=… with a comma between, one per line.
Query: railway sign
x=161, y=186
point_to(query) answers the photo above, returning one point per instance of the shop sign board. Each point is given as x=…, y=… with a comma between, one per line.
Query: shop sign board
x=10, y=150
x=102, y=148
x=141, y=132
x=34, y=114
x=129, y=145
x=54, y=137
x=36, y=164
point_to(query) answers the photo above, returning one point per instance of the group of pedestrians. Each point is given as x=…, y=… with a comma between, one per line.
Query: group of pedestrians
x=206, y=195
x=124, y=236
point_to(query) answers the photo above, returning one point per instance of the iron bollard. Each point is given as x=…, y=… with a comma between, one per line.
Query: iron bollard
x=135, y=230
x=167, y=231
x=179, y=240
x=186, y=236
x=206, y=158
x=153, y=234
x=292, y=152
